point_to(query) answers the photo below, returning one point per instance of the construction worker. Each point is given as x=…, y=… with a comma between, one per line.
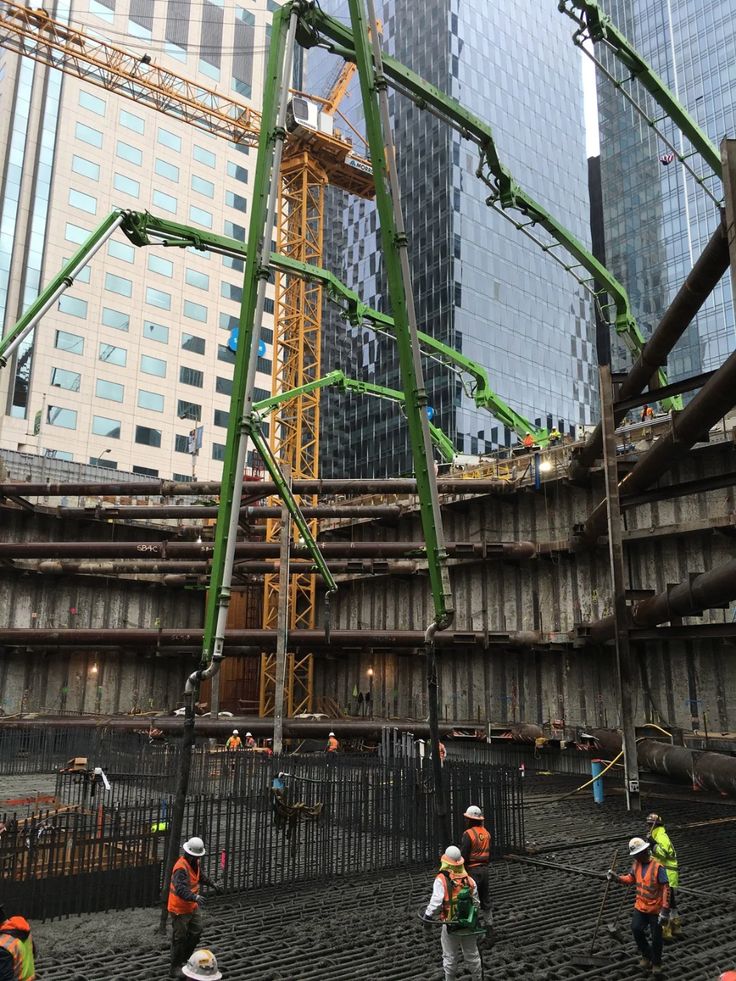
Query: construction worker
x=234, y=743
x=250, y=742
x=453, y=891
x=554, y=436
x=202, y=966
x=476, y=851
x=332, y=744
x=528, y=441
x=20, y=928
x=185, y=903
x=652, y=904
x=664, y=852
x=443, y=752
x=647, y=413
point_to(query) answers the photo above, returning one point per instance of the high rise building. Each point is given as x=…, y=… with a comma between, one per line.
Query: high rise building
x=657, y=219
x=480, y=285
x=134, y=356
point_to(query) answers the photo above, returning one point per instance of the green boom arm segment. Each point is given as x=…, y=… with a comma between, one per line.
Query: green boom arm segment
x=316, y=27
x=597, y=26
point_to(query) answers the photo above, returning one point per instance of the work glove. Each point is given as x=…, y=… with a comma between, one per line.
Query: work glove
x=611, y=876
x=200, y=901
x=664, y=916
x=427, y=921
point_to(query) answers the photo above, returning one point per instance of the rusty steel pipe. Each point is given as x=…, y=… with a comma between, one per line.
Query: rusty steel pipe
x=711, y=403
x=710, y=267
x=204, y=550
x=259, y=488
x=127, y=567
x=175, y=512
x=257, y=639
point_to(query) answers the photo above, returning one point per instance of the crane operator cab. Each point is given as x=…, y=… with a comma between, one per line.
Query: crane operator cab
x=304, y=117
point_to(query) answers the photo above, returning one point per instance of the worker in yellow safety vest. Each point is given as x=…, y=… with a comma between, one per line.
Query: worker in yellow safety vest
x=17, y=962
x=664, y=852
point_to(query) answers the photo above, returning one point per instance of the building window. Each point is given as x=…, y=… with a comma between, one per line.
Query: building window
x=203, y=156
x=233, y=200
x=126, y=185
x=73, y=306
x=157, y=298
x=103, y=461
x=84, y=167
x=91, y=102
x=228, y=321
x=181, y=444
x=75, y=233
x=224, y=386
x=61, y=378
x=161, y=266
x=150, y=400
x=109, y=390
x=145, y=471
x=191, y=376
x=195, y=311
x=165, y=201
x=72, y=343
x=147, y=436
x=218, y=451
x=201, y=186
x=153, y=366
x=113, y=355
x=165, y=138
x=58, y=416
x=235, y=231
x=268, y=306
x=130, y=153
x=221, y=418
x=264, y=365
x=86, y=134
x=83, y=276
x=130, y=121
x=118, y=284
x=109, y=428
x=189, y=410
x=183, y=478
x=120, y=250
x=115, y=319
x=230, y=262
x=165, y=169
x=156, y=332
x=237, y=172
x=84, y=202
x=231, y=292
x=194, y=277
x=201, y=216
x=225, y=354
x=192, y=343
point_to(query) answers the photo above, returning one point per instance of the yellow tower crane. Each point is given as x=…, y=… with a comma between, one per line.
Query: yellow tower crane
x=317, y=154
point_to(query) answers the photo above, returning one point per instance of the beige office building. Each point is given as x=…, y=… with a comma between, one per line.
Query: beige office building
x=135, y=355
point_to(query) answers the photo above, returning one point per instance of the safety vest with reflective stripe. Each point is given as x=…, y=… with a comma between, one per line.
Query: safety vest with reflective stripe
x=664, y=852
x=449, y=899
x=15, y=949
x=234, y=742
x=332, y=745
x=28, y=965
x=480, y=846
x=649, y=890
x=176, y=904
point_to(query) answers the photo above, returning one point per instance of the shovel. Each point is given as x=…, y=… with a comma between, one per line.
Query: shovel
x=613, y=927
x=590, y=959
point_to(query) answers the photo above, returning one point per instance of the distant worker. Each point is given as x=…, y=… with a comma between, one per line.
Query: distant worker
x=455, y=895
x=202, y=966
x=528, y=441
x=250, y=742
x=651, y=906
x=332, y=744
x=555, y=436
x=17, y=950
x=476, y=851
x=647, y=413
x=443, y=752
x=185, y=903
x=234, y=742
x=664, y=852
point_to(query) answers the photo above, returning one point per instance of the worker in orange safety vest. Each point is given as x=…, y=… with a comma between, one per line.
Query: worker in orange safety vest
x=234, y=743
x=185, y=903
x=476, y=851
x=451, y=882
x=332, y=744
x=651, y=906
x=11, y=956
x=19, y=927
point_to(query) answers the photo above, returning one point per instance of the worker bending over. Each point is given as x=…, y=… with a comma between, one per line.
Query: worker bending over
x=664, y=851
x=234, y=743
x=455, y=895
x=185, y=903
x=651, y=906
x=476, y=851
x=17, y=950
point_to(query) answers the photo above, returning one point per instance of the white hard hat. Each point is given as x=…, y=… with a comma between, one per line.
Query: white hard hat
x=249, y=734
x=202, y=965
x=330, y=734
x=195, y=847
x=235, y=732
x=474, y=813
x=637, y=845
x=453, y=855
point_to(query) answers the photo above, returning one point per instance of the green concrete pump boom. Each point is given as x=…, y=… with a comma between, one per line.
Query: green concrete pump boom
x=318, y=28
x=595, y=26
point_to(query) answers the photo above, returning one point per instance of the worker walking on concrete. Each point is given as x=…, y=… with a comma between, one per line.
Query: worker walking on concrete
x=455, y=895
x=652, y=904
x=476, y=851
x=185, y=903
x=250, y=742
x=20, y=928
x=202, y=966
x=234, y=743
x=664, y=852
x=332, y=744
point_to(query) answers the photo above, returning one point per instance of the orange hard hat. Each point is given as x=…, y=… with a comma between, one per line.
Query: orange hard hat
x=16, y=923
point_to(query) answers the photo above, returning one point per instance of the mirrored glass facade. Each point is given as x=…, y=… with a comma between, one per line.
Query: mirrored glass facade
x=479, y=284
x=657, y=219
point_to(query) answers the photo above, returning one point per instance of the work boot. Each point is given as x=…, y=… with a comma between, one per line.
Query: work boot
x=178, y=958
x=667, y=932
x=676, y=925
x=645, y=964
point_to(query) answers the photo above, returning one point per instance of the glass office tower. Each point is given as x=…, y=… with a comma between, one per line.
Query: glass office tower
x=657, y=219
x=479, y=284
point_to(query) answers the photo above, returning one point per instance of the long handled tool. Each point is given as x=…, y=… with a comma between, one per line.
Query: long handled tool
x=613, y=927
x=590, y=959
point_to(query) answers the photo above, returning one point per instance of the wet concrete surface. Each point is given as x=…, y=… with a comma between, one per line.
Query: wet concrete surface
x=365, y=926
